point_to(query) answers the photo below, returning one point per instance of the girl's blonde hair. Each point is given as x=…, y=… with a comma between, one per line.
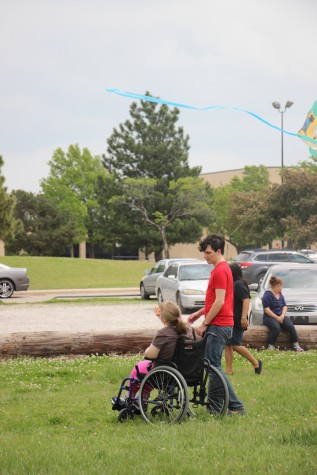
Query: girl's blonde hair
x=170, y=313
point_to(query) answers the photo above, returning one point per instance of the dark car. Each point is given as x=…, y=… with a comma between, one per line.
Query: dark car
x=254, y=264
x=148, y=282
x=299, y=290
x=12, y=279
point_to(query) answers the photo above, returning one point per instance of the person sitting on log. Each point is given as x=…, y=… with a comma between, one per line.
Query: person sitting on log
x=274, y=316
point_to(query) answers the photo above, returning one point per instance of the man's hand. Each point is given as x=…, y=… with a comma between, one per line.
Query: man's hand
x=200, y=330
x=193, y=317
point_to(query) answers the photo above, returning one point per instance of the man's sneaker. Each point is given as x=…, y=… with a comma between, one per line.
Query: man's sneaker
x=236, y=412
x=258, y=370
x=271, y=347
x=298, y=349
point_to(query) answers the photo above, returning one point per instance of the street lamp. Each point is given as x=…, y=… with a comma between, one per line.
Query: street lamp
x=277, y=106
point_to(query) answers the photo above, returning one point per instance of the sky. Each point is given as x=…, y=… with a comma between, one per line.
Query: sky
x=58, y=57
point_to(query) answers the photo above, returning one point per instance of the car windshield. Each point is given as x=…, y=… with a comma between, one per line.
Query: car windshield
x=243, y=256
x=198, y=272
x=295, y=278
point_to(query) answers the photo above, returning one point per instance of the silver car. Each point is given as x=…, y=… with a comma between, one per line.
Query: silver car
x=299, y=290
x=12, y=279
x=148, y=282
x=185, y=284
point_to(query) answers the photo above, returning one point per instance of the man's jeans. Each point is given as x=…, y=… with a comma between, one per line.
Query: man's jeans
x=217, y=339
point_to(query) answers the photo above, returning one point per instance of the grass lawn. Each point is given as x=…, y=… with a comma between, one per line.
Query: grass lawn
x=66, y=273
x=56, y=418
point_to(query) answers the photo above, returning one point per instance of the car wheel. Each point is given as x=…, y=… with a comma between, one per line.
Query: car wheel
x=250, y=320
x=6, y=288
x=260, y=278
x=179, y=303
x=144, y=295
x=159, y=296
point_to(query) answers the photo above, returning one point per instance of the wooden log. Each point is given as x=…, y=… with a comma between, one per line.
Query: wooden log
x=52, y=343
x=257, y=336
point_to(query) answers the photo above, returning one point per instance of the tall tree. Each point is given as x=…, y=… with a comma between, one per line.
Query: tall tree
x=236, y=203
x=177, y=216
x=45, y=230
x=71, y=184
x=150, y=145
x=7, y=203
x=149, y=155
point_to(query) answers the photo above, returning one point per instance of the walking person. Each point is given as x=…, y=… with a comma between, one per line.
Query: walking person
x=241, y=305
x=274, y=316
x=218, y=312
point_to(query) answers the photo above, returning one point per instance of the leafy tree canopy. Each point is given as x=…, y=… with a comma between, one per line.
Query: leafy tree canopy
x=71, y=184
x=150, y=145
x=8, y=224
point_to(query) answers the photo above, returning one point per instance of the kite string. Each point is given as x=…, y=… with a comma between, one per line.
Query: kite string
x=157, y=100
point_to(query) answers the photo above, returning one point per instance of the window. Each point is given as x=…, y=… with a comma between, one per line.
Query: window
x=172, y=270
x=260, y=257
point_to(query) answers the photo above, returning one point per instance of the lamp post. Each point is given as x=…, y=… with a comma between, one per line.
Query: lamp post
x=277, y=106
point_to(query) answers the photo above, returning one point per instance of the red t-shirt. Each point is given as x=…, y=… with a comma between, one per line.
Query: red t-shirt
x=221, y=278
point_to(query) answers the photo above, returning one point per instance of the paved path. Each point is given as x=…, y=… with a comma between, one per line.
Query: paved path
x=73, y=316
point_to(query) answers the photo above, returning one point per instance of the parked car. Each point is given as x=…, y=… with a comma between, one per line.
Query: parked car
x=299, y=290
x=148, y=282
x=185, y=284
x=254, y=264
x=310, y=253
x=12, y=279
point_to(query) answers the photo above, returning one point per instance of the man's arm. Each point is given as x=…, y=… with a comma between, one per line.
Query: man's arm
x=214, y=310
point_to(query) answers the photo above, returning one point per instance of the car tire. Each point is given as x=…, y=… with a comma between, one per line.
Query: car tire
x=144, y=295
x=6, y=288
x=179, y=303
x=260, y=278
x=159, y=296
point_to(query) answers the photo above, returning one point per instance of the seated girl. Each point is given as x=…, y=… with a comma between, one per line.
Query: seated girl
x=164, y=343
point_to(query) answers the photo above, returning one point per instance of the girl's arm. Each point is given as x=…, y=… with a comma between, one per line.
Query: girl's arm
x=152, y=352
x=245, y=313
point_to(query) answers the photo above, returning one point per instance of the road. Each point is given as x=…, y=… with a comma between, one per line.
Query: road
x=74, y=317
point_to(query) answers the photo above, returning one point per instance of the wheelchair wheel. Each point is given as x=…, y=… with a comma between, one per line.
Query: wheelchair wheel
x=163, y=396
x=218, y=394
x=124, y=415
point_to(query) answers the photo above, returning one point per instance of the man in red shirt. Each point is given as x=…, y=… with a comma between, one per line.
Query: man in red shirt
x=218, y=311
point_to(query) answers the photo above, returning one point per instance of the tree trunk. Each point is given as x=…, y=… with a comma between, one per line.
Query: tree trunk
x=71, y=251
x=50, y=343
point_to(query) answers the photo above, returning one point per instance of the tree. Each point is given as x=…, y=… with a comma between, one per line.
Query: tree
x=294, y=207
x=150, y=145
x=7, y=203
x=44, y=231
x=178, y=216
x=148, y=155
x=71, y=184
x=237, y=209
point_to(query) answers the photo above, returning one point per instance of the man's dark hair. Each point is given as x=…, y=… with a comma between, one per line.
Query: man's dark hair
x=215, y=241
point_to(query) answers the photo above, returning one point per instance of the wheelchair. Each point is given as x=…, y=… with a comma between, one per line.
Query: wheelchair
x=167, y=390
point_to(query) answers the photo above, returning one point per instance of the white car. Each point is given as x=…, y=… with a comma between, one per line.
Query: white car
x=148, y=282
x=185, y=284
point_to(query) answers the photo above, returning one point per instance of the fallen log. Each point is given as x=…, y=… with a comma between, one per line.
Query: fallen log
x=257, y=337
x=51, y=343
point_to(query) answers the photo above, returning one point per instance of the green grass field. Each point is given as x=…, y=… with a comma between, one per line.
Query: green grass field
x=56, y=418
x=66, y=273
